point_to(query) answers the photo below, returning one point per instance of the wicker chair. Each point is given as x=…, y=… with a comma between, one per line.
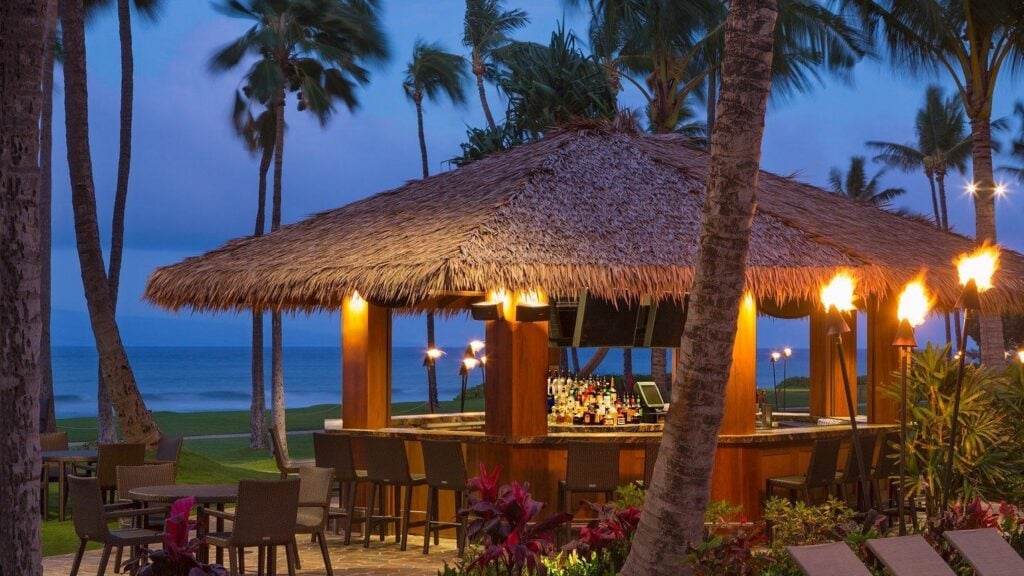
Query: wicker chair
x=314, y=500
x=132, y=477
x=264, y=518
x=986, y=552
x=387, y=466
x=285, y=465
x=49, y=441
x=335, y=451
x=589, y=468
x=821, y=472
x=835, y=559
x=851, y=472
x=108, y=458
x=446, y=470
x=910, y=556
x=90, y=521
x=168, y=450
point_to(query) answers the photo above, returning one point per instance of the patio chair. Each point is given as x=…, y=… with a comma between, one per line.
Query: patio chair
x=90, y=521
x=986, y=552
x=387, y=466
x=850, y=473
x=591, y=467
x=314, y=500
x=264, y=518
x=285, y=465
x=335, y=451
x=108, y=458
x=821, y=472
x=132, y=477
x=446, y=470
x=50, y=441
x=909, y=556
x=835, y=559
x=168, y=450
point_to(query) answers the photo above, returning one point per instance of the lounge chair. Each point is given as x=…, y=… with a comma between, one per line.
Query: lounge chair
x=835, y=559
x=909, y=556
x=986, y=552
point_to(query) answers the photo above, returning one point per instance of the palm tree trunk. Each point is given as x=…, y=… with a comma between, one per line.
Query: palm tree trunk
x=22, y=34
x=575, y=353
x=46, y=397
x=673, y=513
x=935, y=200
x=418, y=99
x=124, y=160
x=712, y=102
x=991, y=325
x=258, y=404
x=277, y=407
x=659, y=368
x=483, y=97
x=940, y=179
x=136, y=422
x=432, y=399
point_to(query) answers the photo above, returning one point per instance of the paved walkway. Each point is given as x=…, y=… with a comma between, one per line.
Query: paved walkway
x=381, y=559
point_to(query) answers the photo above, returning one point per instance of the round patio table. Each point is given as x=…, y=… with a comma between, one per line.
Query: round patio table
x=216, y=495
x=63, y=458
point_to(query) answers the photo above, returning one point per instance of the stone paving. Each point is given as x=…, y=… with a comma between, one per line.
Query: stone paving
x=382, y=558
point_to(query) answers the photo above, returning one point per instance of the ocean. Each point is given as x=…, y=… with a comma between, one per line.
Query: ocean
x=191, y=379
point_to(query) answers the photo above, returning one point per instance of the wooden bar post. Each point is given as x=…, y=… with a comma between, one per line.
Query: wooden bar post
x=365, y=364
x=740, y=390
x=515, y=394
x=826, y=396
x=883, y=359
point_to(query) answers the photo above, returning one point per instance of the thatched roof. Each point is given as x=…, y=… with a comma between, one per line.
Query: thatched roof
x=610, y=211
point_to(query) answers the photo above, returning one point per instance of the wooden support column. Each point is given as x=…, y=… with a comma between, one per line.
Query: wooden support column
x=740, y=390
x=827, y=397
x=515, y=394
x=365, y=364
x=883, y=359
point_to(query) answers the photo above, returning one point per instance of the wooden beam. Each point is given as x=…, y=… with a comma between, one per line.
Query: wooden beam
x=365, y=364
x=883, y=359
x=827, y=397
x=515, y=393
x=740, y=390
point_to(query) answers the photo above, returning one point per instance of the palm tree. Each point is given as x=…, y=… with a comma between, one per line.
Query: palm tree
x=486, y=29
x=316, y=49
x=673, y=514
x=46, y=397
x=856, y=185
x=136, y=422
x=432, y=73
x=22, y=40
x=258, y=134
x=975, y=43
x=1017, y=145
x=150, y=10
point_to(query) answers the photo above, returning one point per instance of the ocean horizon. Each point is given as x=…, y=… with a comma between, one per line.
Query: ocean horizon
x=203, y=378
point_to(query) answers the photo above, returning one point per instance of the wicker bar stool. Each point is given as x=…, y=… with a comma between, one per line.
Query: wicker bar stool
x=387, y=465
x=335, y=451
x=851, y=472
x=591, y=467
x=821, y=472
x=264, y=518
x=446, y=470
x=314, y=500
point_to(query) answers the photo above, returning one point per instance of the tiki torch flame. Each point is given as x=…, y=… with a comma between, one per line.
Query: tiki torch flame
x=979, y=266
x=838, y=293
x=914, y=303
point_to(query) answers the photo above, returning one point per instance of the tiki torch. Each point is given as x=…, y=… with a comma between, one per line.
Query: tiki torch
x=774, y=359
x=975, y=271
x=468, y=364
x=913, y=307
x=477, y=346
x=429, y=362
x=786, y=353
x=837, y=298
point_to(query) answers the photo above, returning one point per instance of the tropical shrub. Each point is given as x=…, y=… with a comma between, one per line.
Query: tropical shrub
x=605, y=541
x=178, y=557
x=501, y=520
x=733, y=553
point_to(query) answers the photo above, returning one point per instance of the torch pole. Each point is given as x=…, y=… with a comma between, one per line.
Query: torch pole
x=858, y=452
x=954, y=431
x=775, y=384
x=901, y=487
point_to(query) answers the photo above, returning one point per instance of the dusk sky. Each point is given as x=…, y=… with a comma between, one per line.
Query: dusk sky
x=193, y=186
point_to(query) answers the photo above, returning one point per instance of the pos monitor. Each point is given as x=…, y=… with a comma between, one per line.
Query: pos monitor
x=650, y=395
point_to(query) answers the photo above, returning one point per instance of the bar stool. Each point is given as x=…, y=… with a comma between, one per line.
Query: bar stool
x=821, y=472
x=387, y=465
x=335, y=451
x=851, y=472
x=591, y=467
x=446, y=470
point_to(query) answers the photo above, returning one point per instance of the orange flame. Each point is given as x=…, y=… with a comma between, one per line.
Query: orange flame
x=979, y=266
x=914, y=304
x=838, y=292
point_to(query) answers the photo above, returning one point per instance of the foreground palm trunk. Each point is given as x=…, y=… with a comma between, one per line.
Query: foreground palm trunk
x=46, y=398
x=22, y=29
x=135, y=420
x=277, y=406
x=673, y=513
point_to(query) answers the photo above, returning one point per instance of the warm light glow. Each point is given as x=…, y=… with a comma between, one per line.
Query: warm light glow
x=838, y=293
x=1020, y=356
x=1000, y=189
x=476, y=345
x=435, y=353
x=914, y=304
x=483, y=360
x=972, y=188
x=776, y=356
x=979, y=266
x=470, y=363
x=356, y=301
x=530, y=298
x=787, y=352
x=499, y=295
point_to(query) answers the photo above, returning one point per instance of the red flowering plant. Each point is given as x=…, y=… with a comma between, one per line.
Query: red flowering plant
x=608, y=536
x=502, y=519
x=178, y=558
